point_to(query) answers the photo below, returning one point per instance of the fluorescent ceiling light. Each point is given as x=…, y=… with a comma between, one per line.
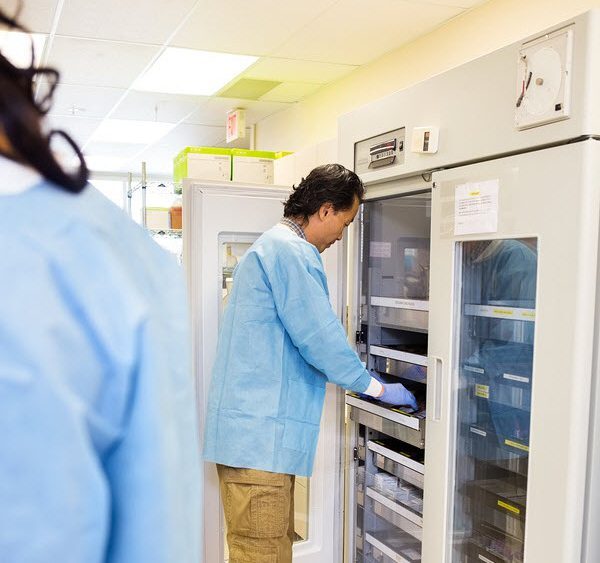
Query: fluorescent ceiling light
x=131, y=131
x=100, y=163
x=16, y=47
x=186, y=71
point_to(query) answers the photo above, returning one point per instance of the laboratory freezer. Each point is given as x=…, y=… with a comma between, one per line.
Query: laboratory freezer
x=474, y=282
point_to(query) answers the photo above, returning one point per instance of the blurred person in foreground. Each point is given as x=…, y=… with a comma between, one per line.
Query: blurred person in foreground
x=99, y=457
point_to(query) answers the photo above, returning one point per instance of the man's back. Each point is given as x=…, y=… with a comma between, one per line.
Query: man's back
x=279, y=343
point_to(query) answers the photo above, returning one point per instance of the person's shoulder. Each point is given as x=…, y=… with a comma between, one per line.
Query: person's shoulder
x=281, y=242
x=81, y=227
x=52, y=213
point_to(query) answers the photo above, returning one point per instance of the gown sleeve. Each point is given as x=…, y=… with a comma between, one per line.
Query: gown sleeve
x=300, y=292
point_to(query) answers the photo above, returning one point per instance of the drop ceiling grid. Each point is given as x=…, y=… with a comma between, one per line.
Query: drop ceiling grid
x=147, y=21
x=102, y=47
x=250, y=28
x=99, y=63
x=68, y=100
x=350, y=33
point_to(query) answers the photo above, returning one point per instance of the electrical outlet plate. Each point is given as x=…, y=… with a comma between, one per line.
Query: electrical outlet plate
x=425, y=140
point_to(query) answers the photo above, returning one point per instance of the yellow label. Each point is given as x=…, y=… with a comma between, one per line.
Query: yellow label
x=517, y=445
x=482, y=391
x=507, y=312
x=529, y=315
x=509, y=507
x=475, y=193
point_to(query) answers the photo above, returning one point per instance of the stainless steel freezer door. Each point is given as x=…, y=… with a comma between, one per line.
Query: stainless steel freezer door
x=550, y=196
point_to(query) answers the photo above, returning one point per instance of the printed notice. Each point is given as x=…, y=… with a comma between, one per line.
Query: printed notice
x=476, y=208
x=380, y=250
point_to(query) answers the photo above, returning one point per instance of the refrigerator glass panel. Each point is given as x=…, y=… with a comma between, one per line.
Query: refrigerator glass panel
x=395, y=289
x=495, y=357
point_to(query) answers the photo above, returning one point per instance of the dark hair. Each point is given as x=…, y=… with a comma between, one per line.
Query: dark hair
x=330, y=183
x=21, y=118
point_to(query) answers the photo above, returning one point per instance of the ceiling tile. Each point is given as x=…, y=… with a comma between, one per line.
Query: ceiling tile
x=455, y=3
x=189, y=135
x=84, y=101
x=214, y=111
x=248, y=28
x=150, y=106
x=290, y=92
x=99, y=63
x=348, y=33
x=37, y=16
x=133, y=20
x=119, y=150
x=80, y=128
x=293, y=70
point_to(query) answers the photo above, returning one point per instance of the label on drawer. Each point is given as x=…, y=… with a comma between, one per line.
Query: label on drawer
x=398, y=303
x=482, y=391
x=484, y=559
x=517, y=445
x=412, y=554
x=477, y=431
x=509, y=507
x=473, y=369
x=518, y=378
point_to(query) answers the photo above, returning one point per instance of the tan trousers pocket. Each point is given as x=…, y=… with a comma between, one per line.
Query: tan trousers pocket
x=256, y=511
x=248, y=553
x=259, y=514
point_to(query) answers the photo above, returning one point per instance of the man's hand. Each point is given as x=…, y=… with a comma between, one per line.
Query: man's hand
x=396, y=394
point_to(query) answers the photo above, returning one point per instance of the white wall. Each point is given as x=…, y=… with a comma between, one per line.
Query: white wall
x=482, y=30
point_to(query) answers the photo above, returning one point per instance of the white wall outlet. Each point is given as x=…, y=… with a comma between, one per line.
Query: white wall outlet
x=425, y=140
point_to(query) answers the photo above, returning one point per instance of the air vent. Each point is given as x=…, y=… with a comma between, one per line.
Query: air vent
x=249, y=89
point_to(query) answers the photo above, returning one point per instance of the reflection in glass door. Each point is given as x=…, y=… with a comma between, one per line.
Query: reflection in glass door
x=495, y=357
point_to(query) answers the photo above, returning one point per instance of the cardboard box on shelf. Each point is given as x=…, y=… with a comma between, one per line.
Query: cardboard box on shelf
x=255, y=167
x=157, y=218
x=203, y=163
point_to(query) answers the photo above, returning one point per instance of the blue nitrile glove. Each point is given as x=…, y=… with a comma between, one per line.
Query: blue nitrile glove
x=396, y=394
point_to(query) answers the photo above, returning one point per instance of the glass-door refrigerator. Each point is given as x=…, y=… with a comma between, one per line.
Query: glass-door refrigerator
x=512, y=348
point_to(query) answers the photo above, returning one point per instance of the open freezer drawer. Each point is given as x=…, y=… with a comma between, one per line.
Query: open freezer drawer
x=394, y=422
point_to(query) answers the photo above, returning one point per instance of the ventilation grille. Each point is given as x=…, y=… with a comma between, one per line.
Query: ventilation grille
x=249, y=89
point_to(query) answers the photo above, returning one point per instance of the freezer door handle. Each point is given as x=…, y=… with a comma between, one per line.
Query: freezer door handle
x=435, y=378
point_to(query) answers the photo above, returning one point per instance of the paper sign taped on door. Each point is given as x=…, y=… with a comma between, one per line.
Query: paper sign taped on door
x=476, y=207
x=380, y=250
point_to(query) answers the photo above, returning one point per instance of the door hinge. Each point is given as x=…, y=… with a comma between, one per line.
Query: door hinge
x=360, y=337
x=355, y=453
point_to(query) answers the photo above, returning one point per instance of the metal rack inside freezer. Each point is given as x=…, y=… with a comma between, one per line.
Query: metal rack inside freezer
x=389, y=452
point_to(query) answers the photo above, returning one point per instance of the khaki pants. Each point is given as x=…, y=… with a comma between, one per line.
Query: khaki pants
x=259, y=512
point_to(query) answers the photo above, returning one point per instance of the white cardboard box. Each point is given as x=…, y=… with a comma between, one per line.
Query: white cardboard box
x=252, y=169
x=209, y=167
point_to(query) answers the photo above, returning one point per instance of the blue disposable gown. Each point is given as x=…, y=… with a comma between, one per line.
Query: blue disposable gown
x=99, y=460
x=280, y=342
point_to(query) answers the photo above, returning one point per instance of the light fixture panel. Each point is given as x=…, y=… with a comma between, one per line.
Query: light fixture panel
x=191, y=72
